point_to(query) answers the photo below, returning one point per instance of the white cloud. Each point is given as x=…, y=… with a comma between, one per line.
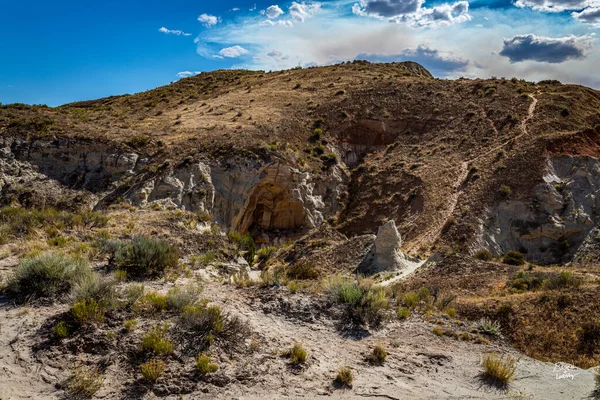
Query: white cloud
x=235, y=9
x=556, y=5
x=268, y=22
x=173, y=32
x=590, y=15
x=273, y=12
x=413, y=13
x=185, y=74
x=301, y=11
x=233, y=52
x=208, y=20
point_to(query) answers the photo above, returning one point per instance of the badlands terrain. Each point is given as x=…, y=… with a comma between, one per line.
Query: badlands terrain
x=352, y=231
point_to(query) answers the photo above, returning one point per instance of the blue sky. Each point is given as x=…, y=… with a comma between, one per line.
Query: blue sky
x=62, y=51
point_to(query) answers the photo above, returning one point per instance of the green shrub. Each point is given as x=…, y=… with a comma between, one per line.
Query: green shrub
x=366, y=301
x=178, y=298
x=483, y=255
x=86, y=311
x=130, y=325
x=378, y=356
x=488, y=327
x=138, y=141
x=156, y=341
x=203, y=325
x=153, y=302
x=499, y=370
x=93, y=286
x=563, y=279
x=302, y=271
x=204, y=365
x=523, y=281
x=47, y=274
x=297, y=354
x=144, y=256
x=245, y=244
x=438, y=330
x=403, y=313
x=132, y=294
x=451, y=312
x=152, y=370
x=61, y=330
x=84, y=382
x=120, y=275
x=513, y=258
x=411, y=300
x=265, y=253
x=344, y=377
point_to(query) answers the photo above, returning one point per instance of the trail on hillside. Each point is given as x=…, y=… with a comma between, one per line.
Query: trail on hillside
x=461, y=182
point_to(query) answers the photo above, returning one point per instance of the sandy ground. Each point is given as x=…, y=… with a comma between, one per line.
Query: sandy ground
x=420, y=365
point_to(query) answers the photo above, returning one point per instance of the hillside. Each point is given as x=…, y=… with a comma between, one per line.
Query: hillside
x=307, y=166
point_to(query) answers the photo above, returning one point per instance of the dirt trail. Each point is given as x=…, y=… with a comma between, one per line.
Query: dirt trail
x=461, y=183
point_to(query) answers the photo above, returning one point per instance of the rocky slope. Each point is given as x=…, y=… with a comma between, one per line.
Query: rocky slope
x=410, y=187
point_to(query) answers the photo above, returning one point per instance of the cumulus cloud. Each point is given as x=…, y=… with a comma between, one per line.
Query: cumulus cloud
x=233, y=52
x=556, y=5
x=544, y=49
x=387, y=8
x=588, y=16
x=301, y=11
x=412, y=13
x=273, y=12
x=441, y=64
x=268, y=22
x=208, y=20
x=174, y=32
x=185, y=74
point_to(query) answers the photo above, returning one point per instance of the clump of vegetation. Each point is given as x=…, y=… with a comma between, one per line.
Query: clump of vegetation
x=145, y=256
x=317, y=134
x=153, y=369
x=93, y=286
x=411, y=300
x=488, y=327
x=365, y=301
x=523, y=281
x=378, y=356
x=87, y=311
x=204, y=365
x=438, y=330
x=202, y=325
x=156, y=341
x=180, y=297
x=302, y=271
x=138, y=141
x=130, y=325
x=513, y=258
x=47, y=274
x=344, y=377
x=84, y=382
x=505, y=191
x=483, y=255
x=588, y=338
x=245, y=244
x=153, y=302
x=265, y=253
x=563, y=279
x=61, y=330
x=297, y=354
x=403, y=312
x=499, y=370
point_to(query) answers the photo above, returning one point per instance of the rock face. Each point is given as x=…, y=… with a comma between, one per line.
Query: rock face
x=245, y=195
x=565, y=208
x=388, y=255
x=78, y=164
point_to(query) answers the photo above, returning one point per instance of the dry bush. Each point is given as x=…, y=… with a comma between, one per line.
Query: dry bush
x=297, y=354
x=344, y=377
x=156, y=341
x=499, y=370
x=204, y=365
x=378, y=355
x=153, y=369
x=84, y=382
x=145, y=256
x=47, y=274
